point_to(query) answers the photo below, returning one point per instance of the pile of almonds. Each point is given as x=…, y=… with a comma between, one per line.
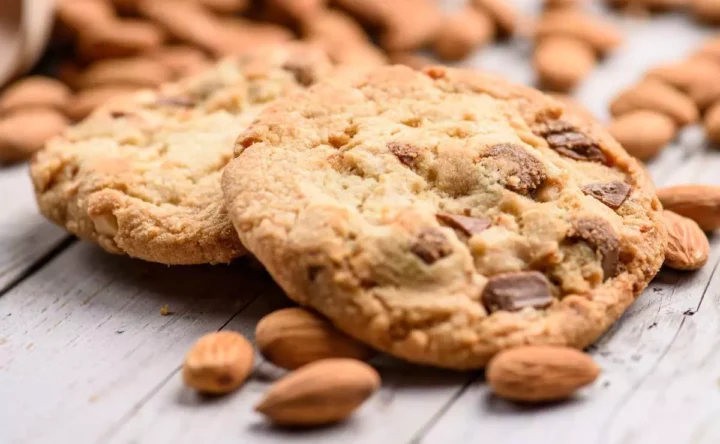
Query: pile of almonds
x=568, y=44
x=648, y=115
x=704, y=11
x=329, y=380
x=108, y=48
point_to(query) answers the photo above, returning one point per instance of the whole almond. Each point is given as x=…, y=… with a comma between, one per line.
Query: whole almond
x=120, y=38
x=462, y=33
x=687, y=74
x=656, y=96
x=293, y=337
x=711, y=123
x=540, y=373
x=83, y=15
x=135, y=71
x=342, y=38
x=710, y=49
x=575, y=23
x=643, y=133
x=700, y=203
x=320, y=393
x=218, y=363
x=34, y=91
x=562, y=62
x=25, y=131
x=688, y=247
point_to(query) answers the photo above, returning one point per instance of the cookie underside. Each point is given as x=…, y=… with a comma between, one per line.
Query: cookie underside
x=444, y=215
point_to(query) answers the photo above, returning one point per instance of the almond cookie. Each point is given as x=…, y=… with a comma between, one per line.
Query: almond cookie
x=141, y=175
x=444, y=215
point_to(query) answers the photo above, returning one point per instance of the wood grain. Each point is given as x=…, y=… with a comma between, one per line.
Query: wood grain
x=25, y=236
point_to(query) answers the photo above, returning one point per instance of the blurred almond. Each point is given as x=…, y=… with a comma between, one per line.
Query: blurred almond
x=655, y=96
x=643, y=133
x=700, y=203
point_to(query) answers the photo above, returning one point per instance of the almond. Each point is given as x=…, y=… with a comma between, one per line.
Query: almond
x=711, y=123
x=134, y=71
x=34, y=91
x=687, y=74
x=656, y=96
x=293, y=337
x=320, y=393
x=540, y=373
x=218, y=363
x=572, y=22
x=462, y=33
x=700, y=203
x=688, y=247
x=563, y=62
x=25, y=131
x=706, y=11
x=643, y=133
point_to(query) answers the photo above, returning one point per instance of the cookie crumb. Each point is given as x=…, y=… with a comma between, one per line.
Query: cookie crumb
x=165, y=310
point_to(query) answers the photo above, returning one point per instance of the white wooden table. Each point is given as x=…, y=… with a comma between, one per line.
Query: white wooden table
x=86, y=357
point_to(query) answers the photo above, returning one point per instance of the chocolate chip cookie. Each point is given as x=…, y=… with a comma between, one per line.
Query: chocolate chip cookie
x=141, y=176
x=446, y=214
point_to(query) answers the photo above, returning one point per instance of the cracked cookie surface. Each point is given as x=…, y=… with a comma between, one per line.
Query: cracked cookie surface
x=444, y=215
x=142, y=175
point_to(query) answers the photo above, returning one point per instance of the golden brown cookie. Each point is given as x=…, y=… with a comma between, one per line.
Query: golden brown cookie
x=141, y=176
x=444, y=215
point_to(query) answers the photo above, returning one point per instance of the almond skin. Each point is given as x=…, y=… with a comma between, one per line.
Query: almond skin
x=657, y=96
x=562, y=62
x=643, y=133
x=540, y=373
x=688, y=247
x=218, y=363
x=700, y=203
x=711, y=123
x=320, y=393
x=293, y=337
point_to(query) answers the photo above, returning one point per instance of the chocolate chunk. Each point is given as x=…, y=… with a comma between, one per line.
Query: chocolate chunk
x=406, y=153
x=525, y=167
x=612, y=194
x=431, y=245
x=600, y=235
x=468, y=225
x=175, y=101
x=303, y=72
x=567, y=140
x=517, y=290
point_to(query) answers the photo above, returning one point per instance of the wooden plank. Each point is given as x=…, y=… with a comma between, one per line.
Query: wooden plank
x=83, y=341
x=409, y=398
x=25, y=236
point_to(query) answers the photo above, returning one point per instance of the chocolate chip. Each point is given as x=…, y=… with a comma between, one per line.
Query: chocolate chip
x=612, y=194
x=431, y=245
x=406, y=153
x=523, y=166
x=517, y=290
x=468, y=225
x=302, y=72
x=567, y=140
x=600, y=235
x=175, y=101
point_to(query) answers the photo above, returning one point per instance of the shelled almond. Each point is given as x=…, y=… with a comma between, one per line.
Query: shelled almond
x=687, y=247
x=568, y=43
x=218, y=363
x=463, y=32
x=293, y=337
x=540, y=373
x=655, y=96
x=320, y=393
x=643, y=133
x=700, y=203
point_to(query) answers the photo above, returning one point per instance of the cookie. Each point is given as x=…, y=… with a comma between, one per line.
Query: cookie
x=444, y=215
x=141, y=175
